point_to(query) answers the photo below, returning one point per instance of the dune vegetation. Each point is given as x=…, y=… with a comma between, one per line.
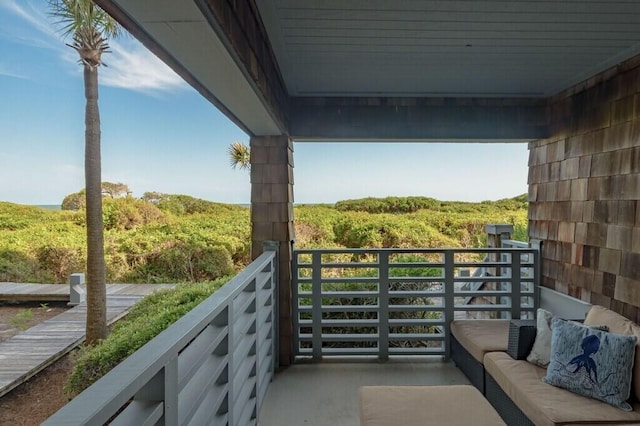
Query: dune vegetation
x=177, y=238
x=201, y=244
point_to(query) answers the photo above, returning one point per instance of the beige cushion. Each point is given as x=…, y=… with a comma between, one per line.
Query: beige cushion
x=481, y=336
x=544, y=404
x=459, y=405
x=541, y=351
x=618, y=324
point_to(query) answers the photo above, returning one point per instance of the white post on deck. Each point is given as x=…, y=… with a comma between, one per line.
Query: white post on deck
x=77, y=294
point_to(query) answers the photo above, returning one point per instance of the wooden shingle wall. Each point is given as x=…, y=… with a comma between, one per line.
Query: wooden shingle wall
x=272, y=219
x=584, y=191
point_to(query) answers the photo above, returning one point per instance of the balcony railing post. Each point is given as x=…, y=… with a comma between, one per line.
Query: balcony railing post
x=449, y=300
x=316, y=302
x=536, y=245
x=516, y=273
x=171, y=392
x=231, y=362
x=383, y=305
x=275, y=292
x=161, y=393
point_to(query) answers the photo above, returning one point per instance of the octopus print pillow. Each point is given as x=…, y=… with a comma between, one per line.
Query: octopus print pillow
x=591, y=362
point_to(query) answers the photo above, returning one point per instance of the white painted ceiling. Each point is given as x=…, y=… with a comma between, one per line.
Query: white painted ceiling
x=481, y=48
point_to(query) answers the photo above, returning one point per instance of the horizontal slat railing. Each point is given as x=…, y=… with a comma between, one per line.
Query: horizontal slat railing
x=213, y=366
x=385, y=302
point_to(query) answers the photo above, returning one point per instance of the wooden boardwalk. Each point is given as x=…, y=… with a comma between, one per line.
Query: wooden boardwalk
x=25, y=292
x=25, y=354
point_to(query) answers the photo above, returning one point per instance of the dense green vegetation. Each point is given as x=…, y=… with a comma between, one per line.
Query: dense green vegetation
x=177, y=238
x=181, y=239
x=146, y=319
x=406, y=222
x=174, y=239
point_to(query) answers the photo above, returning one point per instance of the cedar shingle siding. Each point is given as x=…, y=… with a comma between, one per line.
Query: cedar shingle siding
x=584, y=191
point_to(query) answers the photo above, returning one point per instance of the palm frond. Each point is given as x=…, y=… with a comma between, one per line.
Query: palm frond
x=88, y=24
x=239, y=156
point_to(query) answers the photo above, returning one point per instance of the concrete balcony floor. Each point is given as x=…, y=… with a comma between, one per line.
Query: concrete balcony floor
x=326, y=393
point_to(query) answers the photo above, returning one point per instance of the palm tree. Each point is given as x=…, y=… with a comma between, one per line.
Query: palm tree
x=90, y=27
x=239, y=155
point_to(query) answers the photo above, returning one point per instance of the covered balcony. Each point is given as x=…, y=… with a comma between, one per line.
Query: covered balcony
x=562, y=76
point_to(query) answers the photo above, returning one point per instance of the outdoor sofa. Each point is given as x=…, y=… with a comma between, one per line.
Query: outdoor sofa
x=490, y=353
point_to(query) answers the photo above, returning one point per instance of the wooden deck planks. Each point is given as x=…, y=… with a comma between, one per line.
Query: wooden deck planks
x=27, y=292
x=24, y=355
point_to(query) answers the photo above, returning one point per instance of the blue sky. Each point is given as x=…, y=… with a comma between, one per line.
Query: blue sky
x=159, y=134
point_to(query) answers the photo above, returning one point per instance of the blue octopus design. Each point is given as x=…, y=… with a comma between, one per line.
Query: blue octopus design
x=590, y=346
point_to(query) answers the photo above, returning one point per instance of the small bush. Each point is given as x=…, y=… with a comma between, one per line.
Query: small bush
x=57, y=263
x=75, y=201
x=128, y=213
x=178, y=261
x=16, y=266
x=146, y=320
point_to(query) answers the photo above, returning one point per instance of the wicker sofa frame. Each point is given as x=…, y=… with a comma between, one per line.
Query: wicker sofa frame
x=471, y=367
x=477, y=375
x=508, y=410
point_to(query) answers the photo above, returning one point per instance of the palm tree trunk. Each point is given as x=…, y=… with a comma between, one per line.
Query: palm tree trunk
x=96, y=271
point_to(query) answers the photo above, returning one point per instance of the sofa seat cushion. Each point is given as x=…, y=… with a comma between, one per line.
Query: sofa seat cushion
x=544, y=404
x=425, y=405
x=481, y=336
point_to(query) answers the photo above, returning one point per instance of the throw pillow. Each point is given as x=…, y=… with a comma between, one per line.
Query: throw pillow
x=541, y=349
x=591, y=362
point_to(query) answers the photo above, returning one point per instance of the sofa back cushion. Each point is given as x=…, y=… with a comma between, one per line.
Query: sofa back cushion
x=599, y=315
x=541, y=351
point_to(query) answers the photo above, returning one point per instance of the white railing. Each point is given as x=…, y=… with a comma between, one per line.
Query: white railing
x=213, y=366
x=385, y=302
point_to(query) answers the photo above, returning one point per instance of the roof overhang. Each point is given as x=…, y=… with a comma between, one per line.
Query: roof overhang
x=380, y=70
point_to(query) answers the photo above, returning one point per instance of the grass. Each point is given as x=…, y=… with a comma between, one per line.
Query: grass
x=21, y=319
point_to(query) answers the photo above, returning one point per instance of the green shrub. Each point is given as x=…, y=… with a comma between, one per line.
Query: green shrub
x=146, y=320
x=75, y=201
x=57, y=263
x=364, y=230
x=387, y=205
x=314, y=225
x=180, y=205
x=128, y=213
x=179, y=261
x=186, y=262
x=16, y=217
x=15, y=266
